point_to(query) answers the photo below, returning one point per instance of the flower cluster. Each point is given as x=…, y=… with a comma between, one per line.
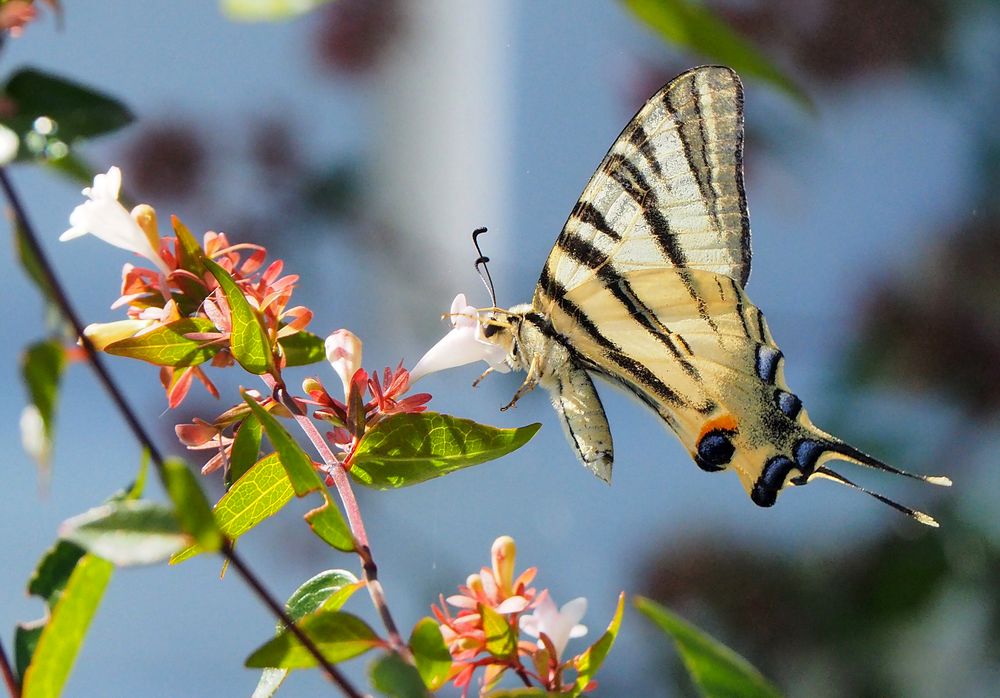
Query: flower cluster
x=180, y=287
x=485, y=631
x=354, y=416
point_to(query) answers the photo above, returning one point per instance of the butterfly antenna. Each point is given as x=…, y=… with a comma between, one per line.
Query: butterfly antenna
x=484, y=271
x=920, y=516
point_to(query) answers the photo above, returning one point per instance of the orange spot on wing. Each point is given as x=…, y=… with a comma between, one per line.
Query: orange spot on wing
x=726, y=422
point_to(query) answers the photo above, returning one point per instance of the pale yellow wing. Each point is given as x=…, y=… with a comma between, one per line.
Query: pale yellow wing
x=669, y=193
x=690, y=344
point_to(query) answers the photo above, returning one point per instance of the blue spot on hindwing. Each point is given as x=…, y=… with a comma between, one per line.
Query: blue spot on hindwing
x=767, y=359
x=807, y=452
x=788, y=403
x=714, y=451
x=771, y=480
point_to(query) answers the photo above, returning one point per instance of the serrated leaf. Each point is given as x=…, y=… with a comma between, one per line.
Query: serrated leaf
x=694, y=26
x=302, y=348
x=591, y=659
x=337, y=634
x=62, y=637
x=75, y=110
x=501, y=638
x=190, y=505
x=268, y=10
x=246, y=449
x=127, y=532
x=715, y=669
x=328, y=590
x=41, y=368
x=259, y=494
x=406, y=449
x=393, y=677
x=249, y=342
x=430, y=653
x=167, y=345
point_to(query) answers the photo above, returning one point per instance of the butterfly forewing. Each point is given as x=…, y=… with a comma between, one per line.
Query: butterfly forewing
x=669, y=193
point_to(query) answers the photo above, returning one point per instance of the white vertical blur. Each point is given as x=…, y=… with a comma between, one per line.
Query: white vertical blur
x=441, y=137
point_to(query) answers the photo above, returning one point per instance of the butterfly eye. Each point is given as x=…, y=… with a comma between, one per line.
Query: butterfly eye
x=490, y=330
x=715, y=450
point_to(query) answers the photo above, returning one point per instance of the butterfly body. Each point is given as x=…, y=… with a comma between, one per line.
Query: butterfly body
x=645, y=288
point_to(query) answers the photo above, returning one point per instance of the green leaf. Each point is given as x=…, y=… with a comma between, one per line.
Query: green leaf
x=715, y=669
x=590, y=661
x=127, y=532
x=62, y=637
x=328, y=590
x=246, y=448
x=326, y=521
x=31, y=264
x=259, y=494
x=302, y=348
x=298, y=465
x=190, y=505
x=189, y=252
x=430, y=653
x=249, y=341
x=268, y=10
x=167, y=345
x=393, y=677
x=41, y=368
x=337, y=634
x=74, y=110
x=693, y=26
x=501, y=638
x=406, y=449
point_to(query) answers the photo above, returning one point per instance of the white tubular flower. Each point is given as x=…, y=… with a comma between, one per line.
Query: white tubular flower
x=559, y=625
x=464, y=344
x=343, y=351
x=101, y=334
x=104, y=217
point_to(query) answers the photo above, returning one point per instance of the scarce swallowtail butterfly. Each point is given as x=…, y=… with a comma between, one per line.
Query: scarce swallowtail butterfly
x=645, y=288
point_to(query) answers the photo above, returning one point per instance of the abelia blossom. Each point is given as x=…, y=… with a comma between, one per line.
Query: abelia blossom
x=104, y=217
x=497, y=588
x=464, y=344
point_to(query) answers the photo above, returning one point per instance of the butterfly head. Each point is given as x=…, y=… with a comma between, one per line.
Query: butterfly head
x=503, y=328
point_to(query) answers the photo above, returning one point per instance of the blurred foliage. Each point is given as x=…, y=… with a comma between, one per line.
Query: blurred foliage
x=841, y=613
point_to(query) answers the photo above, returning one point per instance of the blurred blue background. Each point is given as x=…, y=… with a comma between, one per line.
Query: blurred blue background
x=362, y=144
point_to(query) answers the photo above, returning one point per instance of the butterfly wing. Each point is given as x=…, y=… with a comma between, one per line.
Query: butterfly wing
x=669, y=193
x=711, y=369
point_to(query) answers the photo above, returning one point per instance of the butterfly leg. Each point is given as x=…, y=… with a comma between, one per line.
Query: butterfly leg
x=529, y=384
x=479, y=380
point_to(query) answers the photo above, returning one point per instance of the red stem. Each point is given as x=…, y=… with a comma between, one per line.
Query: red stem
x=13, y=687
x=343, y=484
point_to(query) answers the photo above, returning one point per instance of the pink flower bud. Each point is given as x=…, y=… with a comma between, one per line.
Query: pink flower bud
x=503, y=554
x=343, y=351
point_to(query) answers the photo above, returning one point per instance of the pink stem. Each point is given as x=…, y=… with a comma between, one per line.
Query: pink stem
x=343, y=484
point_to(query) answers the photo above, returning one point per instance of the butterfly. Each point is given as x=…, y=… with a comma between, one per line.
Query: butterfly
x=645, y=288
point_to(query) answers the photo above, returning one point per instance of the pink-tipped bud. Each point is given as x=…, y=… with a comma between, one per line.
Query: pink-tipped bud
x=475, y=584
x=311, y=385
x=343, y=351
x=145, y=216
x=503, y=554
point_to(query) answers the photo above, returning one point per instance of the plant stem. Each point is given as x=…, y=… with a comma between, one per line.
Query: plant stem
x=13, y=687
x=61, y=299
x=343, y=484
